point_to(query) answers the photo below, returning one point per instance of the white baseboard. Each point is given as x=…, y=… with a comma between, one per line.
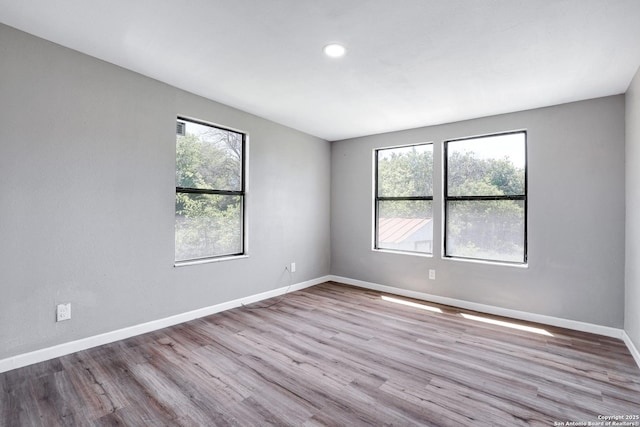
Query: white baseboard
x=489, y=309
x=632, y=348
x=37, y=356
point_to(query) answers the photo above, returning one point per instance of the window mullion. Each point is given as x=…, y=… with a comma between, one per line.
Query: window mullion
x=208, y=191
x=489, y=198
x=408, y=198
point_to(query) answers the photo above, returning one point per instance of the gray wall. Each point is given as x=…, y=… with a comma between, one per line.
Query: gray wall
x=576, y=216
x=87, y=166
x=632, y=266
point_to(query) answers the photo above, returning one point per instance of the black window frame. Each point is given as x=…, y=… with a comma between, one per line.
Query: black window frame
x=241, y=193
x=519, y=197
x=378, y=199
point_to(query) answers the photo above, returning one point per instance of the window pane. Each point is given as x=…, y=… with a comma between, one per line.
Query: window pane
x=405, y=171
x=208, y=225
x=209, y=158
x=487, y=166
x=486, y=229
x=405, y=225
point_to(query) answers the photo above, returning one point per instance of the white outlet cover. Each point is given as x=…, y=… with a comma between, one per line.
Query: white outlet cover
x=432, y=274
x=63, y=312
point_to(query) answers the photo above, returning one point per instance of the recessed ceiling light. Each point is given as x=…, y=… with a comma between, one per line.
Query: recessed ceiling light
x=334, y=50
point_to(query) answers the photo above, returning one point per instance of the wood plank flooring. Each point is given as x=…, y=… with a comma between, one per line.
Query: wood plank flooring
x=331, y=355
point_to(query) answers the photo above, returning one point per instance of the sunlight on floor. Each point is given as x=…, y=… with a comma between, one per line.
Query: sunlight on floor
x=470, y=316
x=507, y=324
x=411, y=304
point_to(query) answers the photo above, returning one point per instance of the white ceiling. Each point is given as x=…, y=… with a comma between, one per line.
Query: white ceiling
x=409, y=63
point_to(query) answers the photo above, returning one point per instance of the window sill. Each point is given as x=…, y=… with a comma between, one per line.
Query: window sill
x=391, y=251
x=208, y=260
x=486, y=262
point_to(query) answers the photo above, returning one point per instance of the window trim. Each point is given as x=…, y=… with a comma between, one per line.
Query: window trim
x=446, y=199
x=241, y=193
x=377, y=199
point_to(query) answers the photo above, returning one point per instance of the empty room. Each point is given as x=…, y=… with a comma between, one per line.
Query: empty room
x=306, y=213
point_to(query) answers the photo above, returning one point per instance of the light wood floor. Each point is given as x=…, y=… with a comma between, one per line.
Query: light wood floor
x=331, y=355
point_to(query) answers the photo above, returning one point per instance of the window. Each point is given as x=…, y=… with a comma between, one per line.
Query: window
x=209, y=191
x=485, y=201
x=404, y=198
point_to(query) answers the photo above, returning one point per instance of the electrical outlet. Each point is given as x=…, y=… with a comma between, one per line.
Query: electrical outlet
x=63, y=312
x=432, y=275
x=293, y=267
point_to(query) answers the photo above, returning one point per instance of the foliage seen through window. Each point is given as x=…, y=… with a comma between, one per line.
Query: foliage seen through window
x=485, y=198
x=404, y=198
x=209, y=192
